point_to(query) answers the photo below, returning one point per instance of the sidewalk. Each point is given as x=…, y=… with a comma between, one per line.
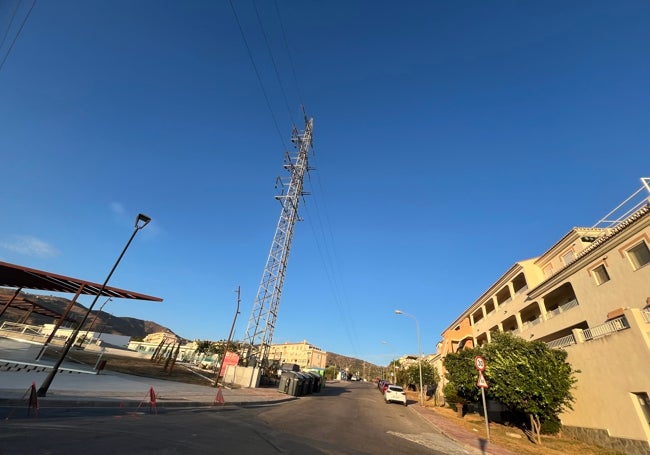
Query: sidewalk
x=109, y=389
x=462, y=436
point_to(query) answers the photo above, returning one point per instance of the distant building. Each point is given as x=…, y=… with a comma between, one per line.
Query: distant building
x=89, y=337
x=589, y=294
x=302, y=353
x=163, y=342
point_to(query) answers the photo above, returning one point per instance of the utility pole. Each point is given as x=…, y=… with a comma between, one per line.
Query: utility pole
x=232, y=328
x=261, y=324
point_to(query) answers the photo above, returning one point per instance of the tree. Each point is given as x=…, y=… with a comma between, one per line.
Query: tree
x=411, y=375
x=526, y=376
x=331, y=372
x=205, y=347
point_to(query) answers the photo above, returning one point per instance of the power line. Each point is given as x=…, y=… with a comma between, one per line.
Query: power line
x=286, y=45
x=257, y=73
x=275, y=67
x=22, y=25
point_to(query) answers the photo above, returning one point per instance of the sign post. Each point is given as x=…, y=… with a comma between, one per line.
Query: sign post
x=479, y=363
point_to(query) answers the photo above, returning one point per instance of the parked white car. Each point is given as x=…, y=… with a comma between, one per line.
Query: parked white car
x=395, y=394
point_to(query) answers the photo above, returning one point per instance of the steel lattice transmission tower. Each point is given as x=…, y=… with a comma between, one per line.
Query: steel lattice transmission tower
x=259, y=331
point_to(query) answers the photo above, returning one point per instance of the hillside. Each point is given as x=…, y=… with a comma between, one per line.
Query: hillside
x=350, y=364
x=138, y=328
x=104, y=322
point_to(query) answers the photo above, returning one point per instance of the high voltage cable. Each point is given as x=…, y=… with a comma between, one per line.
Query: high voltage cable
x=326, y=251
x=11, y=46
x=277, y=74
x=286, y=45
x=257, y=73
x=11, y=22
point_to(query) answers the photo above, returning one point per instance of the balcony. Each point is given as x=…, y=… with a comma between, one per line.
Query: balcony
x=562, y=308
x=615, y=325
x=593, y=333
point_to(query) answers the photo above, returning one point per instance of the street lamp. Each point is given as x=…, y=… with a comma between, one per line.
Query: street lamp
x=140, y=221
x=417, y=325
x=92, y=323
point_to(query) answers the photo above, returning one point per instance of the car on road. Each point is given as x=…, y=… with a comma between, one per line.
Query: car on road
x=395, y=394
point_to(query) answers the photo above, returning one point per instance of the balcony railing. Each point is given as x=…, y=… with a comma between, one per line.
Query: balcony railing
x=562, y=342
x=529, y=324
x=615, y=325
x=520, y=290
x=646, y=315
x=562, y=308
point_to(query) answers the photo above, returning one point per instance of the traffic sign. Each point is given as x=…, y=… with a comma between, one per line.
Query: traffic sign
x=479, y=362
x=482, y=383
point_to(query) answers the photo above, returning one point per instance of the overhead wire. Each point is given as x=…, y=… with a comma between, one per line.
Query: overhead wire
x=324, y=241
x=20, y=29
x=275, y=67
x=257, y=74
x=286, y=45
x=11, y=22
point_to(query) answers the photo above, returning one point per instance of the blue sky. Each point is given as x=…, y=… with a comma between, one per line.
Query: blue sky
x=451, y=139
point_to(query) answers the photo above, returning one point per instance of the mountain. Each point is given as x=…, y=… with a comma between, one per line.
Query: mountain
x=354, y=366
x=100, y=321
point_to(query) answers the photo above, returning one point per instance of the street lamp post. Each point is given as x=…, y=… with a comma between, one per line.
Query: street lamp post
x=140, y=221
x=92, y=323
x=417, y=325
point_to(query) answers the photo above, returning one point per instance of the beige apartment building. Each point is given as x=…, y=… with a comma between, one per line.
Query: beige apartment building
x=303, y=354
x=588, y=294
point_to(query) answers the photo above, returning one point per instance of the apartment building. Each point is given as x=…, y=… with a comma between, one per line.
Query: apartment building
x=303, y=354
x=588, y=294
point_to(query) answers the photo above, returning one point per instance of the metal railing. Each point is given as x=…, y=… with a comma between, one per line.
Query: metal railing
x=21, y=328
x=562, y=308
x=615, y=325
x=562, y=342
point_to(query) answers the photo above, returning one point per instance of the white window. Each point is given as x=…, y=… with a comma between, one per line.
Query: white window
x=639, y=255
x=600, y=274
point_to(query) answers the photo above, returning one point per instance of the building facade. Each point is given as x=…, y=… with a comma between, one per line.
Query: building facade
x=589, y=294
x=303, y=354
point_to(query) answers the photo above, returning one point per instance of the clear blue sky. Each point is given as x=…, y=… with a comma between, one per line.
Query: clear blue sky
x=451, y=140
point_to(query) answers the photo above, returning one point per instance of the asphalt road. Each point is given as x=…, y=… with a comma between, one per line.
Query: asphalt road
x=344, y=418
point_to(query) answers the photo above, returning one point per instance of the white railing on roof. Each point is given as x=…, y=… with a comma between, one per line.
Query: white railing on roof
x=562, y=342
x=615, y=325
x=626, y=208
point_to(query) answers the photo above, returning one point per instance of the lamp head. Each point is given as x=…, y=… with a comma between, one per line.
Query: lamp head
x=141, y=220
x=399, y=312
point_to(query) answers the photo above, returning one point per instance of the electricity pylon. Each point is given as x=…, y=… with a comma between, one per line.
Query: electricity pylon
x=259, y=331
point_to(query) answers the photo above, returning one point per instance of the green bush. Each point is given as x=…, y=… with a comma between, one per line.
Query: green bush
x=451, y=395
x=551, y=425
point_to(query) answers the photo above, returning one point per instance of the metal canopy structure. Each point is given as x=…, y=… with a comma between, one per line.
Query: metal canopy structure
x=20, y=277
x=17, y=276
x=29, y=306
